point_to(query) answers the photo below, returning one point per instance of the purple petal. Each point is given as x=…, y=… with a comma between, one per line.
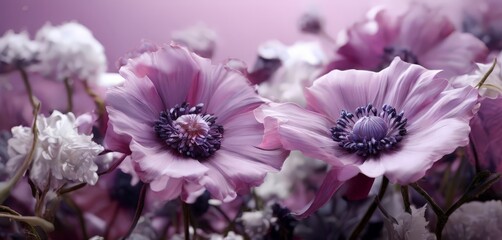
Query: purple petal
x=171, y=69
x=329, y=186
x=152, y=163
x=299, y=129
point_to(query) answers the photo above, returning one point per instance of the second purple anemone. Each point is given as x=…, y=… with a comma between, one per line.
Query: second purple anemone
x=394, y=123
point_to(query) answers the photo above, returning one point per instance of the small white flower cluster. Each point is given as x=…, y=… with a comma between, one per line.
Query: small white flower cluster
x=295, y=169
x=410, y=226
x=16, y=51
x=199, y=38
x=230, y=236
x=475, y=220
x=69, y=51
x=62, y=154
x=257, y=223
x=301, y=63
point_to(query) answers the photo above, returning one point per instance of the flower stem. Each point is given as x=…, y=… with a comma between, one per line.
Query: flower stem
x=487, y=74
x=80, y=215
x=69, y=94
x=366, y=218
x=100, y=103
x=186, y=219
x=139, y=209
x=435, y=207
x=29, y=90
x=5, y=189
x=31, y=220
x=406, y=198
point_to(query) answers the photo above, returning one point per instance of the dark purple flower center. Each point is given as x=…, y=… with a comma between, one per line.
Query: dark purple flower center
x=189, y=132
x=389, y=53
x=369, y=132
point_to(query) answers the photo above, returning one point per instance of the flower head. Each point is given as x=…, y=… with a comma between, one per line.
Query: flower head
x=16, y=51
x=482, y=19
x=189, y=126
x=475, y=220
x=396, y=123
x=301, y=63
x=62, y=153
x=199, y=39
x=420, y=35
x=410, y=226
x=69, y=51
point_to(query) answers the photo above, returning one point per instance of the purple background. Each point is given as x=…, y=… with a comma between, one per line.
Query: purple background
x=241, y=25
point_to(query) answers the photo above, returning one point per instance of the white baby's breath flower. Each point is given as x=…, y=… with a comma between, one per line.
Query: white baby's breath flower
x=301, y=63
x=230, y=236
x=199, y=39
x=257, y=223
x=62, y=154
x=475, y=220
x=295, y=169
x=16, y=51
x=410, y=226
x=69, y=51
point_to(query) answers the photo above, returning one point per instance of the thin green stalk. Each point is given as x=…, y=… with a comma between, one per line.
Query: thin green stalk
x=69, y=94
x=6, y=188
x=366, y=218
x=186, y=219
x=29, y=90
x=31, y=220
x=139, y=209
x=406, y=198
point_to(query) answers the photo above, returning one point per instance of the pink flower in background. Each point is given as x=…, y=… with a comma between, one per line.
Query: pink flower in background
x=483, y=19
x=395, y=123
x=420, y=35
x=189, y=126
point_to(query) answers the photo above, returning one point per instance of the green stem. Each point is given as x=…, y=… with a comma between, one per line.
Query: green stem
x=69, y=94
x=5, y=189
x=487, y=74
x=100, y=103
x=29, y=90
x=80, y=215
x=366, y=218
x=139, y=209
x=406, y=198
x=31, y=220
x=435, y=207
x=186, y=219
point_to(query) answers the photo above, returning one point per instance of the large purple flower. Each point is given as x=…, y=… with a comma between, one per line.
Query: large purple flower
x=189, y=125
x=395, y=123
x=419, y=35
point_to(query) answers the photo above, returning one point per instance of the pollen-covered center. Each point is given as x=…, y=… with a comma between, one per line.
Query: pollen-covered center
x=189, y=132
x=368, y=131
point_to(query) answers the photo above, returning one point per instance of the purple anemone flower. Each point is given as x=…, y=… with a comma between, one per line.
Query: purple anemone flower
x=189, y=126
x=419, y=35
x=396, y=123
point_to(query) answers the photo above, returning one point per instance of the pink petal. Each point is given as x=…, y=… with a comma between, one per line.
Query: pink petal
x=456, y=54
x=329, y=186
x=225, y=92
x=152, y=163
x=171, y=69
x=299, y=129
x=421, y=149
x=243, y=135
